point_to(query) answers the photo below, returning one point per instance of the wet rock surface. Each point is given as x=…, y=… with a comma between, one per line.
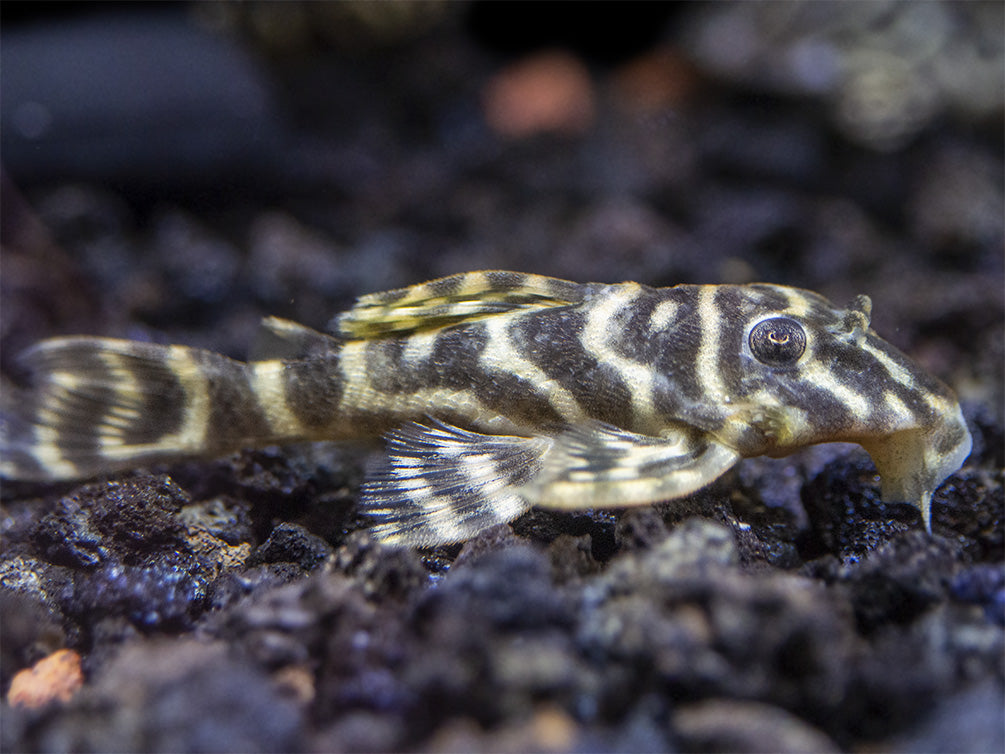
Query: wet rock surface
x=239, y=604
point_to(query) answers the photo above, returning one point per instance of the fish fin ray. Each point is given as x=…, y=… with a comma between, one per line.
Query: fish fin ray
x=599, y=465
x=442, y=484
x=452, y=300
x=279, y=338
x=99, y=405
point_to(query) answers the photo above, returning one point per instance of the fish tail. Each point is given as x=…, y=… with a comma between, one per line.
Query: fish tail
x=99, y=405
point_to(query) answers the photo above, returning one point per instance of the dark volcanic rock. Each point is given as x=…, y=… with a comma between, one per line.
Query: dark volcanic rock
x=971, y=504
x=291, y=543
x=984, y=585
x=386, y=572
x=117, y=520
x=496, y=638
x=165, y=595
x=681, y=617
x=899, y=580
x=848, y=516
x=224, y=518
x=119, y=549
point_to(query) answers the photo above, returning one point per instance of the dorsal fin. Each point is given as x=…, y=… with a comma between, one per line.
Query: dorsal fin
x=451, y=300
x=279, y=338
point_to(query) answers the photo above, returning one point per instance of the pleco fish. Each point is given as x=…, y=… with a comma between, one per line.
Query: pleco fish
x=498, y=391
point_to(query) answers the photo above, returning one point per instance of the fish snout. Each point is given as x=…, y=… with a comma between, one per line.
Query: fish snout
x=914, y=461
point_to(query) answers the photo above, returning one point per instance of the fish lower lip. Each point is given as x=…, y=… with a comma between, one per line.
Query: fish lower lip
x=913, y=463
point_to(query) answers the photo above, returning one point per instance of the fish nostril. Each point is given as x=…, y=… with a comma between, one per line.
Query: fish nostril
x=853, y=327
x=862, y=304
x=856, y=319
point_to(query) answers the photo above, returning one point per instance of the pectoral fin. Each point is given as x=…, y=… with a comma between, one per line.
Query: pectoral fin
x=603, y=466
x=442, y=484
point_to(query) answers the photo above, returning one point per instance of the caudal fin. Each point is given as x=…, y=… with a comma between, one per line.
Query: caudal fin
x=99, y=405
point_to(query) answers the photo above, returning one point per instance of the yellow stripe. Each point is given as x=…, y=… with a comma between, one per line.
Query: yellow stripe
x=821, y=377
x=707, y=360
x=903, y=417
x=46, y=446
x=419, y=347
x=268, y=383
x=502, y=355
x=118, y=418
x=596, y=339
x=191, y=436
x=664, y=313
x=799, y=305
x=357, y=394
x=46, y=453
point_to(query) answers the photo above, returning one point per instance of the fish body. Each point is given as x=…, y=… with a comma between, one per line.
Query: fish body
x=497, y=391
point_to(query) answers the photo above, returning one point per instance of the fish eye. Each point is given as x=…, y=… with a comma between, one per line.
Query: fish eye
x=778, y=341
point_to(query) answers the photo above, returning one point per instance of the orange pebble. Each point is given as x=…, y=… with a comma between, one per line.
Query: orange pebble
x=548, y=92
x=656, y=80
x=53, y=678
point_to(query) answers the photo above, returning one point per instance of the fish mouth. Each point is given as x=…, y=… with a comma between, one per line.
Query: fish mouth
x=913, y=462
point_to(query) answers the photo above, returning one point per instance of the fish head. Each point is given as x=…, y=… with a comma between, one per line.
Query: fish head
x=807, y=372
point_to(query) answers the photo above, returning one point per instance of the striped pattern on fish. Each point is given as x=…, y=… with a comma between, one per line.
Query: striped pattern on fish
x=498, y=391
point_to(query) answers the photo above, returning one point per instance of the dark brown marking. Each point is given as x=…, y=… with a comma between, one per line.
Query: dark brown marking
x=667, y=399
x=925, y=383
x=769, y=299
x=234, y=413
x=455, y=363
x=500, y=280
x=447, y=286
x=456, y=354
x=731, y=302
x=826, y=411
x=517, y=399
x=80, y=415
x=860, y=371
x=388, y=297
x=161, y=395
x=914, y=400
x=313, y=390
x=566, y=290
x=369, y=424
x=630, y=335
x=602, y=392
x=947, y=441
x=386, y=367
x=551, y=341
x=675, y=355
